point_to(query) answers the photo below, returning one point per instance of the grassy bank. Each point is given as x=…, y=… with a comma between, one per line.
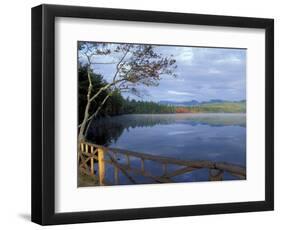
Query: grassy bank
x=224, y=107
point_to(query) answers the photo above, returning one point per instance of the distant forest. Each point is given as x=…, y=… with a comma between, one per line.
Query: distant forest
x=118, y=105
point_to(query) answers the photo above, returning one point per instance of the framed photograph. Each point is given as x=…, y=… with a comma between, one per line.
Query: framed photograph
x=142, y=114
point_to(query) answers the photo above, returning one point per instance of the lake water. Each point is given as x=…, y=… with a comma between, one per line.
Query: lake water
x=214, y=137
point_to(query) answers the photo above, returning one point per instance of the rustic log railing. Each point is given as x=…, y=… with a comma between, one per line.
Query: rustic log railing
x=93, y=159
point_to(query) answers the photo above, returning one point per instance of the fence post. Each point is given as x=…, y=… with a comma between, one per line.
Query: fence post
x=92, y=166
x=101, y=165
x=142, y=164
x=92, y=160
x=128, y=160
x=215, y=174
x=86, y=148
x=116, y=177
x=164, y=168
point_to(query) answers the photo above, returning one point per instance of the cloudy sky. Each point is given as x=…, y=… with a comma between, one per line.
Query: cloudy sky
x=202, y=74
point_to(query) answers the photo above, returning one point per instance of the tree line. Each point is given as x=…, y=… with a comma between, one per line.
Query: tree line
x=116, y=104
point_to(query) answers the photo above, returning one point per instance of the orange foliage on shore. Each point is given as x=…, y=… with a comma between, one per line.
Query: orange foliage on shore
x=182, y=110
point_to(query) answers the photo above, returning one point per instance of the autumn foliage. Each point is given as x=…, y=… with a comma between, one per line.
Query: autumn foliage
x=182, y=110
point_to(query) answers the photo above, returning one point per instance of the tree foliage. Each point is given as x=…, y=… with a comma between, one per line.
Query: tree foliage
x=136, y=65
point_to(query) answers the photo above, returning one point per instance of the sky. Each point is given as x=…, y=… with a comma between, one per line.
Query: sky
x=202, y=74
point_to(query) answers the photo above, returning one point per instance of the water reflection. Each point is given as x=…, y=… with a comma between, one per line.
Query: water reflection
x=106, y=131
x=213, y=137
x=216, y=137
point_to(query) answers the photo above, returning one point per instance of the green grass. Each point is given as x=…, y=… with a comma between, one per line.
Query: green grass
x=225, y=107
x=85, y=180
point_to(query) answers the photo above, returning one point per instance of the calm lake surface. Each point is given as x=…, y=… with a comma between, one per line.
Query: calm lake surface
x=214, y=137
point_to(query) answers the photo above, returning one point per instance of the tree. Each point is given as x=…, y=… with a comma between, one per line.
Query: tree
x=83, y=84
x=136, y=65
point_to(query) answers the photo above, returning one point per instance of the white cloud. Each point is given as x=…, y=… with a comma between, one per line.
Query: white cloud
x=184, y=54
x=214, y=71
x=180, y=93
x=230, y=59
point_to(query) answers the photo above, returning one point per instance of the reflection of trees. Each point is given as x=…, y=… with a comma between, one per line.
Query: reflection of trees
x=107, y=130
x=217, y=120
x=104, y=131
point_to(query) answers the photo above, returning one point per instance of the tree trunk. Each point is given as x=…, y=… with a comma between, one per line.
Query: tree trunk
x=81, y=135
x=87, y=118
x=95, y=114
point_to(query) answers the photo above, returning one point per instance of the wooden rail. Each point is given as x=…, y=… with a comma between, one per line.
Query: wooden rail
x=93, y=159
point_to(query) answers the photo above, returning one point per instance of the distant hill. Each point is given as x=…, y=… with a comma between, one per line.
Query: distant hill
x=182, y=103
x=197, y=103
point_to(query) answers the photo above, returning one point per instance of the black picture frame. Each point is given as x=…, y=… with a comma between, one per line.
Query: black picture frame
x=43, y=114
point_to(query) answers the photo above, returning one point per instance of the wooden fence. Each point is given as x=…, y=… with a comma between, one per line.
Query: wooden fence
x=93, y=159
